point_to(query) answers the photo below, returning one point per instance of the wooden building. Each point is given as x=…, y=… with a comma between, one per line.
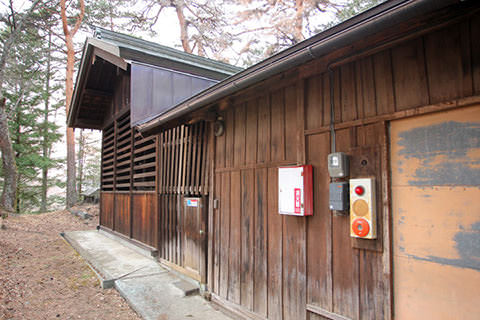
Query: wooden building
x=397, y=88
x=119, y=80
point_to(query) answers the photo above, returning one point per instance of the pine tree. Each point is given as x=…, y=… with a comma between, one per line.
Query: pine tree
x=109, y=14
x=203, y=25
x=269, y=26
x=14, y=23
x=350, y=9
x=31, y=128
x=49, y=129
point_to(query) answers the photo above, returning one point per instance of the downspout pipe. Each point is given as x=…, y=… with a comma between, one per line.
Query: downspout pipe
x=394, y=13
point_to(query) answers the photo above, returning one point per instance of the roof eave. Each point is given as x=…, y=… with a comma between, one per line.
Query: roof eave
x=102, y=49
x=73, y=108
x=127, y=42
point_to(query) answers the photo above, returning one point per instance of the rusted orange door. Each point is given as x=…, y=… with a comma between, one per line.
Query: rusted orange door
x=436, y=215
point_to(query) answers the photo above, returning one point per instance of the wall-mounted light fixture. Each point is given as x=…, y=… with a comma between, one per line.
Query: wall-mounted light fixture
x=219, y=127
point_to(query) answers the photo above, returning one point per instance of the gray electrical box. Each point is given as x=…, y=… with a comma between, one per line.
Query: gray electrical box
x=338, y=165
x=339, y=196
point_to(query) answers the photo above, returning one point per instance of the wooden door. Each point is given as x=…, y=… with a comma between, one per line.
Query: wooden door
x=194, y=236
x=436, y=215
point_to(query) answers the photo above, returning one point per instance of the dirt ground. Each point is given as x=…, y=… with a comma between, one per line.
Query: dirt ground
x=42, y=277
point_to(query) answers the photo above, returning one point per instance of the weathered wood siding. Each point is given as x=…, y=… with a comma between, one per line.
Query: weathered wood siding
x=122, y=213
x=266, y=265
x=129, y=172
x=145, y=218
x=106, y=209
x=183, y=173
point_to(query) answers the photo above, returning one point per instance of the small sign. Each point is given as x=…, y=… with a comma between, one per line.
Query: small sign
x=298, y=200
x=192, y=202
x=335, y=161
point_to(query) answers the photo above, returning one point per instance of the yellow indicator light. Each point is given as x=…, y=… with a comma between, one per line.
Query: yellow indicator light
x=360, y=207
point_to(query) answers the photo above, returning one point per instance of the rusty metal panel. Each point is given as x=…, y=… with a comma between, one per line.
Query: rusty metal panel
x=436, y=215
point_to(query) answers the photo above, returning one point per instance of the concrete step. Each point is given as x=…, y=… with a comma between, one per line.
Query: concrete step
x=188, y=289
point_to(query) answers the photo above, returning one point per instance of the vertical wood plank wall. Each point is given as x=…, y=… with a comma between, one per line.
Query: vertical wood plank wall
x=182, y=173
x=133, y=202
x=278, y=267
x=128, y=199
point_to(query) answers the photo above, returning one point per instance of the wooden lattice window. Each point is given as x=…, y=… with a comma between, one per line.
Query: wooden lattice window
x=108, y=157
x=183, y=160
x=123, y=153
x=144, y=162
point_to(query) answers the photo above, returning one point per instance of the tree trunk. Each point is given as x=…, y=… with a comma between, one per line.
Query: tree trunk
x=299, y=8
x=81, y=160
x=110, y=9
x=201, y=49
x=71, y=174
x=71, y=198
x=183, y=28
x=8, y=161
x=45, y=148
x=17, y=141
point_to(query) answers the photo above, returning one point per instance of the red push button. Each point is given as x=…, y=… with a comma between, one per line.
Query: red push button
x=360, y=227
x=359, y=190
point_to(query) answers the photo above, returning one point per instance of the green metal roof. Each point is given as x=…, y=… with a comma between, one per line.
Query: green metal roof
x=133, y=48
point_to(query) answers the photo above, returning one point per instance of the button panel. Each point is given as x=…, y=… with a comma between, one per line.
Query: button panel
x=362, y=208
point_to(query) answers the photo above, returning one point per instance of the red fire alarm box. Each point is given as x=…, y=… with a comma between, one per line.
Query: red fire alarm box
x=295, y=191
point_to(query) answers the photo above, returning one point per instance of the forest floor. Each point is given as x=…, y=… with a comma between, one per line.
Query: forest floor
x=42, y=277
